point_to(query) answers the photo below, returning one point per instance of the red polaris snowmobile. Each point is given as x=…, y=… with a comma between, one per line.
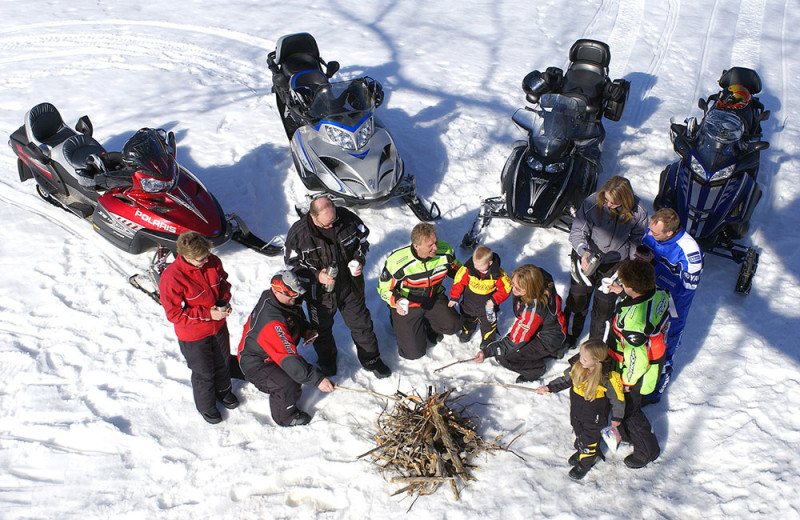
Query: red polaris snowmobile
x=137, y=199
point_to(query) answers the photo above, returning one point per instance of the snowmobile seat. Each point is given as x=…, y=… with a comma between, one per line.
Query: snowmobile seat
x=296, y=53
x=44, y=126
x=741, y=76
x=588, y=72
x=78, y=148
x=304, y=86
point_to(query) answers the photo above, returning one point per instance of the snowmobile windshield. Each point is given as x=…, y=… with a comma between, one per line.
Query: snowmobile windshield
x=719, y=134
x=345, y=102
x=147, y=152
x=551, y=125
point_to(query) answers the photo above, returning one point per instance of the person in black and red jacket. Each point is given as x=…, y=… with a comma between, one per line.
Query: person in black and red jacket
x=195, y=292
x=268, y=350
x=538, y=331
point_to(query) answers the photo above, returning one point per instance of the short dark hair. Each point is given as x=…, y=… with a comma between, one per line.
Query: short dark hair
x=639, y=275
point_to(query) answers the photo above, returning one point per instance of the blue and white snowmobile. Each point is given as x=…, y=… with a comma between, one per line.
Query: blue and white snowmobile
x=713, y=186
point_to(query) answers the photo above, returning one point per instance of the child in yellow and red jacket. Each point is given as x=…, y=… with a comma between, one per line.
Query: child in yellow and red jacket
x=481, y=285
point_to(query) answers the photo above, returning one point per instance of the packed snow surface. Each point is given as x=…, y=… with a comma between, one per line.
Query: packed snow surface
x=96, y=411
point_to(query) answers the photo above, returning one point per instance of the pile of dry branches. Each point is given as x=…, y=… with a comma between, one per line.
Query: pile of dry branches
x=428, y=444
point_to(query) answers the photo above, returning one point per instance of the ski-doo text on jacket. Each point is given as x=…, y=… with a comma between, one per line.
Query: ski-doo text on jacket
x=188, y=293
x=406, y=275
x=271, y=335
x=478, y=287
x=595, y=229
x=310, y=249
x=545, y=322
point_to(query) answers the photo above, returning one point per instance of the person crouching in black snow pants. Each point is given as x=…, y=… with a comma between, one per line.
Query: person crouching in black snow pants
x=268, y=350
x=595, y=389
x=537, y=333
x=327, y=250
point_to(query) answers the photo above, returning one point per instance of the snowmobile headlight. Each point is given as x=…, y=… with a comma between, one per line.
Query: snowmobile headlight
x=151, y=185
x=697, y=168
x=534, y=164
x=340, y=136
x=364, y=133
x=723, y=173
x=555, y=167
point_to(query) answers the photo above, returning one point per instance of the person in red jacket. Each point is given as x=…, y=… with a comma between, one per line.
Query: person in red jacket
x=538, y=331
x=195, y=294
x=268, y=350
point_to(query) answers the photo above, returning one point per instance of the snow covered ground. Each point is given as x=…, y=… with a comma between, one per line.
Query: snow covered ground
x=96, y=413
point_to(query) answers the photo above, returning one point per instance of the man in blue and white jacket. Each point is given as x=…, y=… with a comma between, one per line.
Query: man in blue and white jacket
x=679, y=263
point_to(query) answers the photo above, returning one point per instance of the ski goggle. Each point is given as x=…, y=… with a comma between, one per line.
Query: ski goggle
x=287, y=285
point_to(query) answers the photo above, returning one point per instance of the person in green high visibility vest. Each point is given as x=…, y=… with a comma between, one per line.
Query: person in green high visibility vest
x=637, y=343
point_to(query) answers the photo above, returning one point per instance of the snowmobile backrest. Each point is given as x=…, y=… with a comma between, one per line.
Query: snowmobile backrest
x=297, y=52
x=741, y=76
x=44, y=125
x=590, y=55
x=78, y=148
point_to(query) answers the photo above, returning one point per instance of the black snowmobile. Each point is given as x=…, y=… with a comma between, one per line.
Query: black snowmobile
x=713, y=186
x=547, y=176
x=338, y=145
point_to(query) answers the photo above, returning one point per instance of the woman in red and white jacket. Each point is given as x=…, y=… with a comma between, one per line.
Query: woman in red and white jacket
x=195, y=294
x=538, y=331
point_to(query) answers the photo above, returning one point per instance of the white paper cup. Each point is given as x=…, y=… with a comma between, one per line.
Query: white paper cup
x=402, y=303
x=353, y=266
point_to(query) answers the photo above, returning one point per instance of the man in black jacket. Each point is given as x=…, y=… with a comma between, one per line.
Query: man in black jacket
x=327, y=249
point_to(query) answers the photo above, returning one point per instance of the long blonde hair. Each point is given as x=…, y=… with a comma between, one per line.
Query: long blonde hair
x=531, y=281
x=597, y=350
x=620, y=190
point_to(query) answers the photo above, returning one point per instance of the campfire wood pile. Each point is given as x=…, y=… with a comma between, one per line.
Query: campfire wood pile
x=428, y=444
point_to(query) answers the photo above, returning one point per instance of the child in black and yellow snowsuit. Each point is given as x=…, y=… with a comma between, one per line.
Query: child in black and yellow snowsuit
x=595, y=390
x=482, y=285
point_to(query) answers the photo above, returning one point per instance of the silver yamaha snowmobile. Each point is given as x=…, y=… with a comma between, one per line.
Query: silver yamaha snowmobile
x=338, y=145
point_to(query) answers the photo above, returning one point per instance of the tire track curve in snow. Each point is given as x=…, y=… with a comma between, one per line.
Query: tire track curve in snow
x=113, y=40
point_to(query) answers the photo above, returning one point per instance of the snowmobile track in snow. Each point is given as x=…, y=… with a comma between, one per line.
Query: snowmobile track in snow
x=109, y=39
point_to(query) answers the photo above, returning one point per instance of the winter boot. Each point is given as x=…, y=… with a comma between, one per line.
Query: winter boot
x=377, y=367
x=212, y=416
x=228, y=399
x=301, y=418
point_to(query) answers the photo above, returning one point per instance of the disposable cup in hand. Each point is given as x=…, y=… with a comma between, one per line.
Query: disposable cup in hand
x=353, y=265
x=402, y=303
